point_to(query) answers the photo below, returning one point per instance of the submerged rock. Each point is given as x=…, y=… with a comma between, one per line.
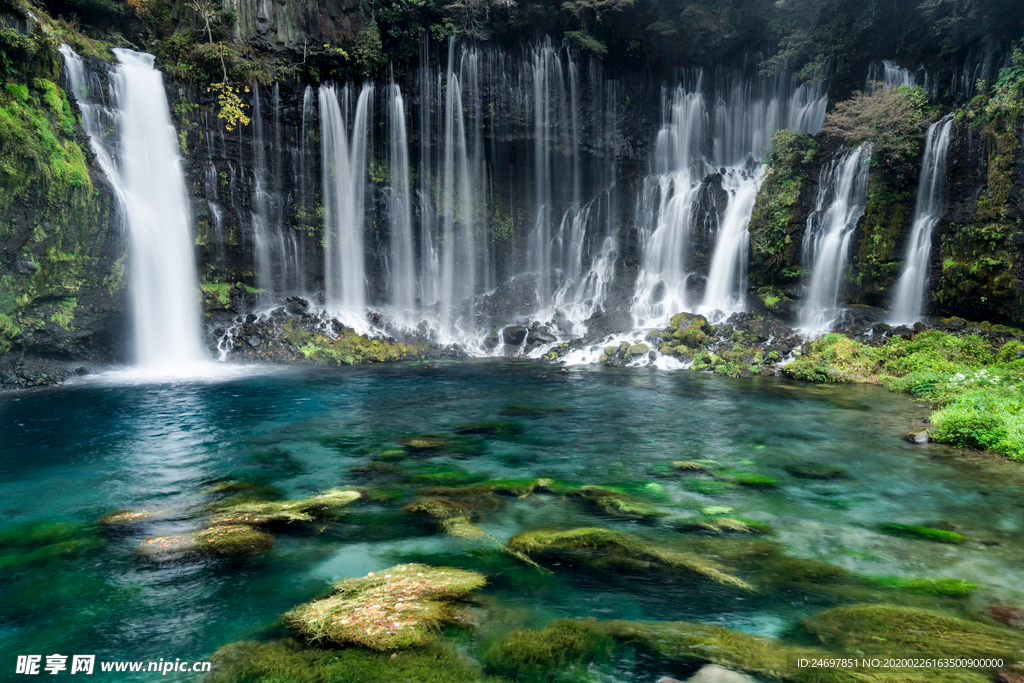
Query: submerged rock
x=604, y=547
x=922, y=532
x=224, y=539
x=323, y=504
x=920, y=437
x=394, y=608
x=712, y=673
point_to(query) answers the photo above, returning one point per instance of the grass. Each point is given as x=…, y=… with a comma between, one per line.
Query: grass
x=922, y=532
x=973, y=382
x=324, y=504
x=395, y=608
x=604, y=546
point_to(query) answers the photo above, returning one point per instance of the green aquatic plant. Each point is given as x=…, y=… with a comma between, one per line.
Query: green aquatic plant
x=33, y=544
x=708, y=487
x=394, y=608
x=904, y=630
x=926, y=586
x=617, y=503
x=600, y=547
x=564, y=647
x=921, y=532
x=712, y=524
x=290, y=661
x=813, y=471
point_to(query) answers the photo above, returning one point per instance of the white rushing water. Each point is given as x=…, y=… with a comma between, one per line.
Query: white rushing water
x=729, y=138
x=402, y=259
x=140, y=158
x=344, y=175
x=931, y=204
x=842, y=198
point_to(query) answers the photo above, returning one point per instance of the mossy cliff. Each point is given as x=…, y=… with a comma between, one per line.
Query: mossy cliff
x=62, y=260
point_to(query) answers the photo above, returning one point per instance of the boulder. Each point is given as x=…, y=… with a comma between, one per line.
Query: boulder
x=712, y=673
x=514, y=334
x=613, y=322
x=920, y=437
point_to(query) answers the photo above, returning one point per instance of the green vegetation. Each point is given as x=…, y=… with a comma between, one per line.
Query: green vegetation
x=972, y=381
x=349, y=348
x=29, y=545
x=950, y=587
x=324, y=504
x=616, y=549
x=394, y=608
x=777, y=220
x=980, y=258
x=221, y=539
x=289, y=661
x=903, y=630
x=921, y=532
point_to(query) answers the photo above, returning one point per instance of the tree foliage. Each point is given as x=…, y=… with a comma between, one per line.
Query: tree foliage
x=893, y=119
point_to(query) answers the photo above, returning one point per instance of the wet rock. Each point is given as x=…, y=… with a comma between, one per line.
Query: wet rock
x=540, y=336
x=613, y=322
x=920, y=437
x=712, y=673
x=514, y=334
x=1004, y=614
x=254, y=341
x=1007, y=676
x=25, y=267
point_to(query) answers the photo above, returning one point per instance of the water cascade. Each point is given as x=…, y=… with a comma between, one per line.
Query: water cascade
x=703, y=153
x=344, y=174
x=402, y=259
x=142, y=164
x=931, y=204
x=842, y=198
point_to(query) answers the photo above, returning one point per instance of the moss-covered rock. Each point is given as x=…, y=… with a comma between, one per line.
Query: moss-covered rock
x=324, y=504
x=293, y=662
x=616, y=503
x=815, y=471
x=221, y=539
x=606, y=548
x=902, y=630
x=713, y=524
x=926, y=586
x=30, y=545
x=394, y=608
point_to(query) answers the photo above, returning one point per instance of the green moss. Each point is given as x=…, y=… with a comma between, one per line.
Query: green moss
x=926, y=586
x=221, y=539
x=813, y=471
x=564, y=647
x=714, y=524
x=220, y=291
x=775, y=223
x=288, y=661
x=901, y=630
x=617, y=503
x=921, y=532
x=394, y=608
x=349, y=348
x=324, y=504
x=708, y=487
x=606, y=548
x=29, y=545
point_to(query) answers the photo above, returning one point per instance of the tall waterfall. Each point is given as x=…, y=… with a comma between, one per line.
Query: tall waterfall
x=700, y=151
x=344, y=174
x=402, y=259
x=143, y=166
x=842, y=198
x=931, y=204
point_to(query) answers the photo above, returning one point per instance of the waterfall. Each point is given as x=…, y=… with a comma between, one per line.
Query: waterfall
x=842, y=198
x=931, y=204
x=403, y=275
x=143, y=166
x=889, y=74
x=696, y=142
x=344, y=174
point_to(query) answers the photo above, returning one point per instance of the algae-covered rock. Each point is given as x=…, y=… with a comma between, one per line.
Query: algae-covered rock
x=617, y=503
x=922, y=532
x=708, y=487
x=604, y=547
x=565, y=646
x=290, y=661
x=124, y=517
x=690, y=466
x=814, y=471
x=391, y=609
x=902, y=630
x=222, y=539
x=323, y=504
x=711, y=524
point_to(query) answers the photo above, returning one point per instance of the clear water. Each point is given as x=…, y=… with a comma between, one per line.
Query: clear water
x=74, y=453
